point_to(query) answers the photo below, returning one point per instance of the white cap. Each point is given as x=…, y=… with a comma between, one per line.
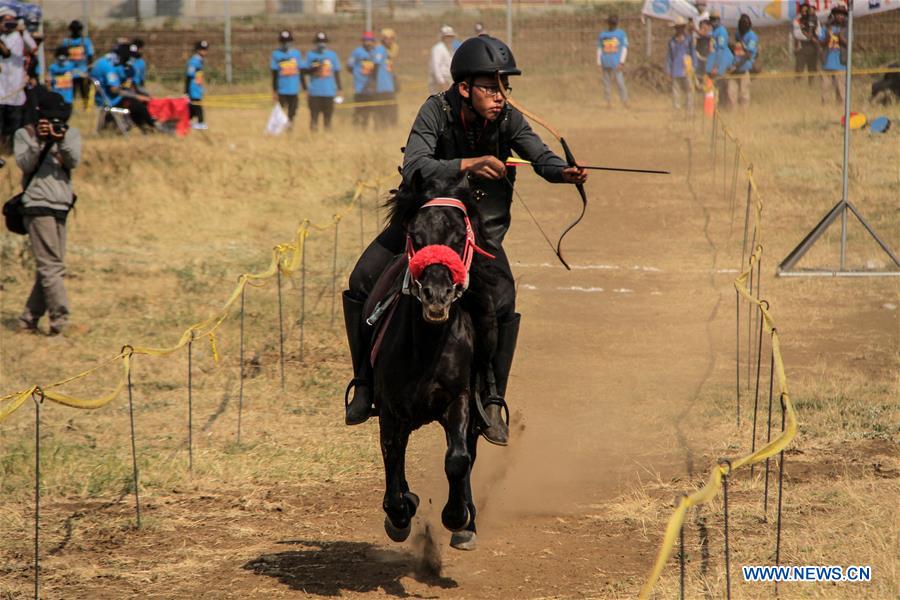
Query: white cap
x=447, y=31
x=7, y=12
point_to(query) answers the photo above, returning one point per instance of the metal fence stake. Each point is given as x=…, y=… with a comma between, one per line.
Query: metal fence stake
x=191, y=403
x=727, y=545
x=737, y=360
x=680, y=554
x=334, y=257
x=750, y=319
x=38, y=396
x=280, y=327
x=134, y=468
x=756, y=395
x=241, y=382
x=780, y=488
x=724, y=167
x=769, y=429
x=747, y=214
x=362, y=234
x=303, y=297
x=734, y=178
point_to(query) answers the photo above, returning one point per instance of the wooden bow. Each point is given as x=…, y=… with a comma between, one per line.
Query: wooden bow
x=570, y=160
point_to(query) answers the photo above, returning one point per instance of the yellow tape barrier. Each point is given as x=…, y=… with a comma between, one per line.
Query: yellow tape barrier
x=286, y=257
x=257, y=100
x=714, y=483
x=795, y=75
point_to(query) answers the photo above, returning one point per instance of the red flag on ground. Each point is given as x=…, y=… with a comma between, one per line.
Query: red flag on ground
x=171, y=109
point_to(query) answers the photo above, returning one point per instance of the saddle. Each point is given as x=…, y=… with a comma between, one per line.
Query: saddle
x=382, y=301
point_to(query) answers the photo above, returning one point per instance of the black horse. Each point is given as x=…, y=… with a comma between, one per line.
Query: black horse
x=439, y=329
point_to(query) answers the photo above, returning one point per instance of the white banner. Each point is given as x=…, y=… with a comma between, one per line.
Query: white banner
x=763, y=13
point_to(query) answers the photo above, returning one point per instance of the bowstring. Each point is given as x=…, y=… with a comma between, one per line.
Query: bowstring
x=531, y=214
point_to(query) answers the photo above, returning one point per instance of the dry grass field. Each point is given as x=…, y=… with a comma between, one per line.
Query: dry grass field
x=623, y=392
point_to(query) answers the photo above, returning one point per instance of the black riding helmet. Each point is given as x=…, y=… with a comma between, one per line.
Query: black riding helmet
x=482, y=55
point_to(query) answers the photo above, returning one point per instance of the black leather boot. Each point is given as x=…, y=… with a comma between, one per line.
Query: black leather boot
x=359, y=409
x=497, y=431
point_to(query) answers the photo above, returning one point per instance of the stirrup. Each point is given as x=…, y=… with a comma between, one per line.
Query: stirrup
x=499, y=401
x=350, y=387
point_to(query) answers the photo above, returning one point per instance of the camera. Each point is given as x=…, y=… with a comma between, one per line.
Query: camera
x=58, y=127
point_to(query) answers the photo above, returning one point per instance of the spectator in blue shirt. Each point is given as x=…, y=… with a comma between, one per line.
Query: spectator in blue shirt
x=286, y=64
x=324, y=69
x=746, y=48
x=612, y=49
x=387, y=86
x=109, y=72
x=105, y=71
x=195, y=83
x=60, y=75
x=681, y=60
x=132, y=71
x=81, y=55
x=720, y=56
x=365, y=62
x=833, y=38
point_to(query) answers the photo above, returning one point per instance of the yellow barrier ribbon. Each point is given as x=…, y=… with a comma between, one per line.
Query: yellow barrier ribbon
x=287, y=257
x=714, y=484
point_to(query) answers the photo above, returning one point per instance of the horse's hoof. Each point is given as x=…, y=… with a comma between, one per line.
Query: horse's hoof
x=412, y=501
x=396, y=534
x=456, y=527
x=463, y=540
x=399, y=534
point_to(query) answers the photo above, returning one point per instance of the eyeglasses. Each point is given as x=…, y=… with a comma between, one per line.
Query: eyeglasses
x=493, y=90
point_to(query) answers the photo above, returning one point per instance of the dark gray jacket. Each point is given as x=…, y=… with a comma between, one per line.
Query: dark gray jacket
x=437, y=144
x=51, y=187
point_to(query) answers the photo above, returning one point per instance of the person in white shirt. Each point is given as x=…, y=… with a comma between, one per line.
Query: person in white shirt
x=806, y=30
x=439, y=78
x=702, y=15
x=14, y=46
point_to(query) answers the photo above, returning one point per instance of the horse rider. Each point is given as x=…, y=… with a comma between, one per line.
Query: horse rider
x=468, y=129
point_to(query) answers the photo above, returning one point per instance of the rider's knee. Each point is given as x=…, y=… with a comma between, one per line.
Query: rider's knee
x=369, y=266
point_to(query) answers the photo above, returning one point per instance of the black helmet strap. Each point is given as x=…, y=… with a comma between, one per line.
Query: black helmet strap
x=470, y=81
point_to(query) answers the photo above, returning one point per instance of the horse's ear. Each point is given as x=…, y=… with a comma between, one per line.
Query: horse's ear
x=462, y=188
x=417, y=183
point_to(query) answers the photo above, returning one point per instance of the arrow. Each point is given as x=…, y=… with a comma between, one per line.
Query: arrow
x=512, y=161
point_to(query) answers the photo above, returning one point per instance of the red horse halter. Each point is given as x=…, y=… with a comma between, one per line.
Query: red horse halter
x=445, y=255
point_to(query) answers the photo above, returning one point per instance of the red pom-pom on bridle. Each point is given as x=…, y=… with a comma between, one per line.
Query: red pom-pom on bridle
x=439, y=255
x=445, y=255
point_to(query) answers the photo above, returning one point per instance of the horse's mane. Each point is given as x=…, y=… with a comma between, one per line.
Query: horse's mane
x=405, y=202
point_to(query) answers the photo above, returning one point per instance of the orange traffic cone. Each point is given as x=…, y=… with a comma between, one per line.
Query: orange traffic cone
x=709, y=97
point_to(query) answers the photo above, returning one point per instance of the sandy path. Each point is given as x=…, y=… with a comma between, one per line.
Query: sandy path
x=611, y=356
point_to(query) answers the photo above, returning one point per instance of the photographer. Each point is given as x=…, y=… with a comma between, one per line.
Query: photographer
x=47, y=151
x=806, y=41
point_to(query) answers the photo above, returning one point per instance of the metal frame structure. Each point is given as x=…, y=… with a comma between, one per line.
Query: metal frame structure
x=121, y=116
x=786, y=267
